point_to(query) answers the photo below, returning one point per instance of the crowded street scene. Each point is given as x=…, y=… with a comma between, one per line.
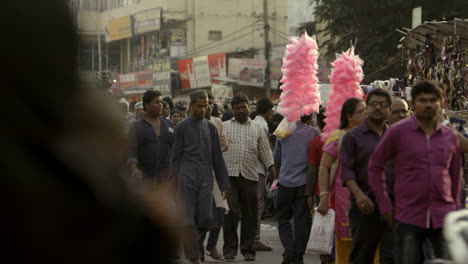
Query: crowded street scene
x=244, y=131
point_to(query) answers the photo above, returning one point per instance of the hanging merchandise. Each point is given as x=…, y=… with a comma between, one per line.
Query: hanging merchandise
x=438, y=51
x=301, y=94
x=346, y=77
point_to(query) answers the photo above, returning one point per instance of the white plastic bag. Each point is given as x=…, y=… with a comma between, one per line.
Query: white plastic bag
x=284, y=129
x=322, y=233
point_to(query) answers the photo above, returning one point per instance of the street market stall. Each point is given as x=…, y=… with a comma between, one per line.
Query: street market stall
x=439, y=51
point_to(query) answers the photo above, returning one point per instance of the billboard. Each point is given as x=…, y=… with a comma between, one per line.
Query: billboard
x=120, y=28
x=147, y=21
x=194, y=72
x=221, y=92
x=217, y=63
x=198, y=72
x=135, y=82
x=252, y=72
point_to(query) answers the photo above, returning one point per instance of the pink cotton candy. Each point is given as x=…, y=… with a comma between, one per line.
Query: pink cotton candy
x=345, y=79
x=301, y=91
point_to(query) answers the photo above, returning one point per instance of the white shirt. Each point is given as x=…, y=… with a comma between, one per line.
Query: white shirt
x=248, y=143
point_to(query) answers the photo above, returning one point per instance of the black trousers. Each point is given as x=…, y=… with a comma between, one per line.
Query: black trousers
x=409, y=241
x=367, y=232
x=218, y=220
x=242, y=201
x=292, y=203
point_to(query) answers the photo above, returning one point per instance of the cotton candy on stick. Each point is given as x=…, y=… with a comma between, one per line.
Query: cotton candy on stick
x=301, y=94
x=345, y=79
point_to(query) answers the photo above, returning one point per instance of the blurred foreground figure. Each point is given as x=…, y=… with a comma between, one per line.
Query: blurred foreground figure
x=64, y=200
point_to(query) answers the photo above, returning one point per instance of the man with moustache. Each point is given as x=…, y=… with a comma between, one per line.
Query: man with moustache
x=368, y=228
x=248, y=143
x=196, y=155
x=427, y=165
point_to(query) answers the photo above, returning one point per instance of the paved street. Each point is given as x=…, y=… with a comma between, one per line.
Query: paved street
x=271, y=238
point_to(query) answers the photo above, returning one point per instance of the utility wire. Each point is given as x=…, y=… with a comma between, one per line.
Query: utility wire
x=222, y=43
x=383, y=68
x=281, y=37
x=225, y=37
x=280, y=32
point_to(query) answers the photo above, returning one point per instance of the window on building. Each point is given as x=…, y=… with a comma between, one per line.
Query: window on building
x=89, y=5
x=214, y=35
x=96, y=5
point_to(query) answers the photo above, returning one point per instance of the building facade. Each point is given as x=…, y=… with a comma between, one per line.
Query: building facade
x=130, y=36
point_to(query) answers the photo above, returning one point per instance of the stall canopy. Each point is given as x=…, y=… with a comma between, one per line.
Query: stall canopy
x=439, y=30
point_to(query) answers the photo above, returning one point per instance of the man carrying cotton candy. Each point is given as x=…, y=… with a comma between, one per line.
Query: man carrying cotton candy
x=299, y=100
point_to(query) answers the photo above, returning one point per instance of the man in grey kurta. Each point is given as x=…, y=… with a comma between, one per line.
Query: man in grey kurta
x=196, y=154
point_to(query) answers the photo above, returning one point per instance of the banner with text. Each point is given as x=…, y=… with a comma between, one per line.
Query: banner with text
x=217, y=64
x=162, y=75
x=120, y=28
x=194, y=72
x=135, y=82
x=252, y=72
x=221, y=92
x=147, y=21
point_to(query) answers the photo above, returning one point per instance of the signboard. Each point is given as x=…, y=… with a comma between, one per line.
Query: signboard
x=234, y=67
x=177, y=37
x=217, y=63
x=135, y=81
x=194, y=72
x=162, y=76
x=187, y=76
x=147, y=21
x=202, y=71
x=275, y=69
x=221, y=92
x=252, y=72
x=120, y=28
x=198, y=72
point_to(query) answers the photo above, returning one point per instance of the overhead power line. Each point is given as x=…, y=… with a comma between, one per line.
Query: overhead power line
x=232, y=34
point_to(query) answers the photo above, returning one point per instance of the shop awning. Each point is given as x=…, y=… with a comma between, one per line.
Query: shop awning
x=439, y=30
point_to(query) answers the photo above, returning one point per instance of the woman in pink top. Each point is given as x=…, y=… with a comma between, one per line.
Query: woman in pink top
x=352, y=114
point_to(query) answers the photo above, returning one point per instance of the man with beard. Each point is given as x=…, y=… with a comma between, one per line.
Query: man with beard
x=196, y=155
x=248, y=143
x=368, y=228
x=427, y=163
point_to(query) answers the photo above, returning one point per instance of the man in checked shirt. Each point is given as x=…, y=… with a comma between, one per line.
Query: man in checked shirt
x=248, y=143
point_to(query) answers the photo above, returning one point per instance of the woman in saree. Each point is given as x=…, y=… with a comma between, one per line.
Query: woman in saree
x=333, y=194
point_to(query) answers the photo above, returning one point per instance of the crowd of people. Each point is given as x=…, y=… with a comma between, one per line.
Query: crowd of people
x=391, y=173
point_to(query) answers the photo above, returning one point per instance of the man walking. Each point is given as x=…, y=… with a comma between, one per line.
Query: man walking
x=368, y=228
x=399, y=111
x=247, y=144
x=195, y=155
x=150, y=142
x=264, y=114
x=426, y=158
x=291, y=161
x=219, y=204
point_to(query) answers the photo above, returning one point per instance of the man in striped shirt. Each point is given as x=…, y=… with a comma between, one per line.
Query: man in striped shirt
x=248, y=143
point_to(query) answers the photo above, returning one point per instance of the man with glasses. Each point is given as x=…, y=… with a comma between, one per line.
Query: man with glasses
x=367, y=226
x=427, y=163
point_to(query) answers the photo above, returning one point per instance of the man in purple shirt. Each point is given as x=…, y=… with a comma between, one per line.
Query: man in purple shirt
x=427, y=164
x=368, y=228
